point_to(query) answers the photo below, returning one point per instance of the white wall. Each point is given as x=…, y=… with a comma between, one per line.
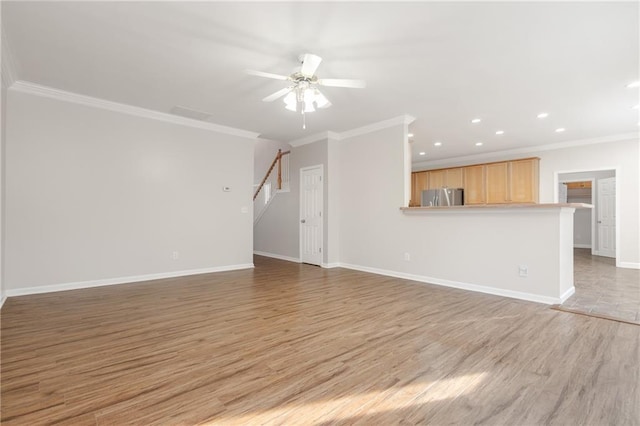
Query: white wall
x=478, y=249
x=94, y=195
x=624, y=158
x=7, y=66
x=3, y=131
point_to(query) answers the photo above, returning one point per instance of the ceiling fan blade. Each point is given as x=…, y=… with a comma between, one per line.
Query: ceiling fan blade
x=267, y=75
x=342, y=82
x=310, y=64
x=280, y=93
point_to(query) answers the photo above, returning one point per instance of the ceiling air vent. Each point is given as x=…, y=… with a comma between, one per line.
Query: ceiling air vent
x=190, y=113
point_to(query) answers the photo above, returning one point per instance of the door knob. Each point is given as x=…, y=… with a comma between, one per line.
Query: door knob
x=599, y=221
x=303, y=221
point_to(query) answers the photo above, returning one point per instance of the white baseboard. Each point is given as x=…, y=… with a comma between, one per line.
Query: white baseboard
x=277, y=256
x=331, y=265
x=2, y=300
x=567, y=294
x=460, y=285
x=630, y=265
x=587, y=246
x=122, y=280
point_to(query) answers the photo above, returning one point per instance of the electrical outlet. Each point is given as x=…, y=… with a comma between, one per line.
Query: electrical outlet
x=523, y=270
x=175, y=255
x=407, y=257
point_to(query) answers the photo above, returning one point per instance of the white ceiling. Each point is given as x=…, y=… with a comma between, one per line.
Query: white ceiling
x=443, y=63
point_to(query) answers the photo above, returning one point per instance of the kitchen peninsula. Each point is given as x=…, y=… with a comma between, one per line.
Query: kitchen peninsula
x=515, y=250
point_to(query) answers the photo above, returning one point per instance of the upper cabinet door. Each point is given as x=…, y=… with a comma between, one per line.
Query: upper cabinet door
x=474, y=177
x=454, y=178
x=419, y=182
x=436, y=179
x=497, y=175
x=523, y=181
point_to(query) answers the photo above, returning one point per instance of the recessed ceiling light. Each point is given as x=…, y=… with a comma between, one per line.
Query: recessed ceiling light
x=437, y=144
x=500, y=132
x=410, y=135
x=633, y=85
x=543, y=115
x=478, y=143
x=560, y=130
x=422, y=153
x=476, y=120
x=635, y=107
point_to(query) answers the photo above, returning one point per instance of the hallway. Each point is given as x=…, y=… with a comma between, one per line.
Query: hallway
x=604, y=290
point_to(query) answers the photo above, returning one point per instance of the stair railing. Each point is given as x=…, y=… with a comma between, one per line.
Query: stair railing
x=282, y=171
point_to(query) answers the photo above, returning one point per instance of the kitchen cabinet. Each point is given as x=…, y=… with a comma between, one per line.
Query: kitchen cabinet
x=451, y=178
x=496, y=183
x=523, y=181
x=454, y=178
x=419, y=182
x=502, y=182
x=436, y=179
x=474, y=178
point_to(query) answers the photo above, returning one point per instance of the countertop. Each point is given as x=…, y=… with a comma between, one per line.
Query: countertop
x=501, y=206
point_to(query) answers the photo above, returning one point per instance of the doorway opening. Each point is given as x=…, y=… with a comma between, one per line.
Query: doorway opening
x=602, y=288
x=594, y=229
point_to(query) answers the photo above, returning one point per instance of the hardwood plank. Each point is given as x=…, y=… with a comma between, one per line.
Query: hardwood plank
x=290, y=344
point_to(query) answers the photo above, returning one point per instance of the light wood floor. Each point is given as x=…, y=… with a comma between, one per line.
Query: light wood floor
x=296, y=344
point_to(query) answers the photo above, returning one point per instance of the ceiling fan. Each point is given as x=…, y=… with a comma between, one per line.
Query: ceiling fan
x=303, y=94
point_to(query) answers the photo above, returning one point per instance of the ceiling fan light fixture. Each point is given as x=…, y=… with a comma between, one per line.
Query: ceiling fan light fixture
x=292, y=106
x=308, y=107
x=321, y=100
x=308, y=97
x=291, y=101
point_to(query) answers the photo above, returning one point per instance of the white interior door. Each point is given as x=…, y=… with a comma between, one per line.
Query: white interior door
x=606, y=222
x=311, y=204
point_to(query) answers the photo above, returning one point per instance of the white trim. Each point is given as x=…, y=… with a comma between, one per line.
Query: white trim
x=314, y=138
x=396, y=121
x=463, y=286
x=4, y=299
x=331, y=265
x=567, y=294
x=630, y=265
x=584, y=246
x=525, y=150
x=122, y=280
x=277, y=256
x=61, y=95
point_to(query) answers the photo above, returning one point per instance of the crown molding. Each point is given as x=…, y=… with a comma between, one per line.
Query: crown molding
x=529, y=149
x=61, y=95
x=8, y=67
x=316, y=137
x=403, y=119
x=396, y=121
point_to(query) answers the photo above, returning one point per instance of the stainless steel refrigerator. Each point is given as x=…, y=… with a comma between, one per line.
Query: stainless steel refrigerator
x=442, y=197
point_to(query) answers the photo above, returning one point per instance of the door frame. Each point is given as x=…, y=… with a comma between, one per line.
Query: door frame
x=616, y=170
x=593, y=213
x=300, y=245
x=616, y=224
